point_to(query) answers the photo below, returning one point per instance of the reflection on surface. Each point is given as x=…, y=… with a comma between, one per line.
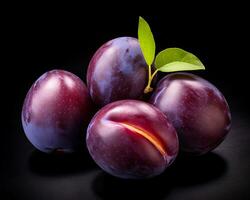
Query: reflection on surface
x=192, y=170
x=186, y=171
x=108, y=187
x=60, y=164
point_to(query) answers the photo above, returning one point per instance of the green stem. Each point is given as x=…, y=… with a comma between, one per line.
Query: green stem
x=150, y=79
x=155, y=72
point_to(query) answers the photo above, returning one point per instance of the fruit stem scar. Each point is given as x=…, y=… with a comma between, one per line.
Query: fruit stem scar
x=149, y=136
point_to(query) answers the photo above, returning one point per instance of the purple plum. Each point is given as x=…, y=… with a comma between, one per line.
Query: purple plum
x=55, y=111
x=196, y=108
x=117, y=71
x=132, y=139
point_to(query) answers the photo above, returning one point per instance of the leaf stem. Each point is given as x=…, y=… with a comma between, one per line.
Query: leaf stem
x=155, y=72
x=150, y=79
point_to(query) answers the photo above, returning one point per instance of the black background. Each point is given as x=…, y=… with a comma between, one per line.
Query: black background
x=40, y=37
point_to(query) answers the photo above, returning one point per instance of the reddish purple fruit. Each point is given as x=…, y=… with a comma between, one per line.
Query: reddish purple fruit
x=132, y=139
x=196, y=108
x=55, y=110
x=117, y=71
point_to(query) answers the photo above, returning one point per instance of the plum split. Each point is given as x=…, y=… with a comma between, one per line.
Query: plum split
x=132, y=139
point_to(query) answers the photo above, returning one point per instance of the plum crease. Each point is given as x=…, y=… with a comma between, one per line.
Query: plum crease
x=148, y=136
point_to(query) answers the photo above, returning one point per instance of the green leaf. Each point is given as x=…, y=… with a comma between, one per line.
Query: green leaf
x=176, y=59
x=179, y=66
x=146, y=40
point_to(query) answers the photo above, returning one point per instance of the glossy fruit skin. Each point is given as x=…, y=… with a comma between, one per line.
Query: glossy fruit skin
x=55, y=110
x=117, y=71
x=197, y=109
x=123, y=152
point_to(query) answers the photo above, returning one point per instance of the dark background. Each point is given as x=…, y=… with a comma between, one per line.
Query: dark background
x=38, y=38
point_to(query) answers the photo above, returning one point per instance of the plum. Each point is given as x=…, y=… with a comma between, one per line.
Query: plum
x=117, y=71
x=132, y=139
x=55, y=111
x=197, y=110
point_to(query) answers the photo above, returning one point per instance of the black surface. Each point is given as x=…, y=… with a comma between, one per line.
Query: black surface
x=46, y=38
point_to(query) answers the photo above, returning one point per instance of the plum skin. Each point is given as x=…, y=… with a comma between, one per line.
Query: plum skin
x=121, y=151
x=117, y=71
x=55, y=110
x=196, y=108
